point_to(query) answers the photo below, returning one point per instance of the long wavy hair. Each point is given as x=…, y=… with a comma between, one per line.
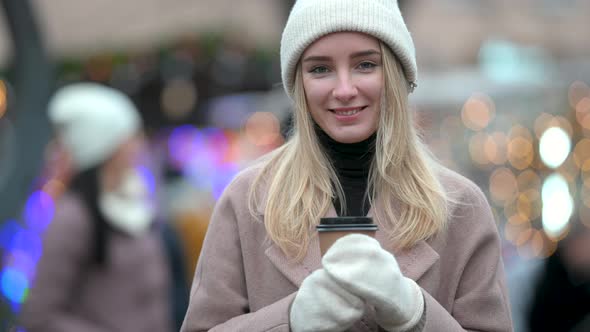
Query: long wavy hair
x=302, y=183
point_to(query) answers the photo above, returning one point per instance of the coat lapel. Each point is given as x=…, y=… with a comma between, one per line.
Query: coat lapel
x=414, y=261
x=295, y=271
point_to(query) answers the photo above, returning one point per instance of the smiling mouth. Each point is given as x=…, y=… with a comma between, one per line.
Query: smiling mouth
x=348, y=111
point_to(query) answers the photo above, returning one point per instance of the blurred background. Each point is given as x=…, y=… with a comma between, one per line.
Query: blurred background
x=503, y=98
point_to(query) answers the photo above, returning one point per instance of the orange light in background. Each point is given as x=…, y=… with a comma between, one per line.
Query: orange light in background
x=542, y=122
x=536, y=246
x=524, y=206
x=576, y=92
x=496, y=148
x=2, y=98
x=477, y=149
x=583, y=112
x=570, y=170
x=528, y=180
x=520, y=152
x=524, y=237
x=582, y=152
x=513, y=231
x=503, y=186
x=478, y=111
x=513, y=215
x=533, y=198
x=263, y=129
x=563, y=123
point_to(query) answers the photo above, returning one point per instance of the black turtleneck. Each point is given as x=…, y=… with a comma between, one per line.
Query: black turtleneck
x=352, y=163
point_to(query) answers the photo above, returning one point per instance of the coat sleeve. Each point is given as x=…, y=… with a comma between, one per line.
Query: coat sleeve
x=219, y=297
x=481, y=299
x=65, y=254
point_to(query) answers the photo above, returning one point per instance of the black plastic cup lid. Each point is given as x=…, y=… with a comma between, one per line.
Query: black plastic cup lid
x=346, y=227
x=346, y=220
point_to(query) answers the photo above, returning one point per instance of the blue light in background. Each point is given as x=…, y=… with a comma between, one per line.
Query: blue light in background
x=183, y=144
x=225, y=173
x=7, y=231
x=14, y=284
x=148, y=179
x=39, y=211
x=28, y=242
x=21, y=261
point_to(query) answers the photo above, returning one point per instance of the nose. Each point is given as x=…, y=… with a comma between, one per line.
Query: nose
x=345, y=89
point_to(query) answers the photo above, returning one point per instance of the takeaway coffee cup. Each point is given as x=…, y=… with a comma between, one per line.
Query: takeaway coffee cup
x=331, y=229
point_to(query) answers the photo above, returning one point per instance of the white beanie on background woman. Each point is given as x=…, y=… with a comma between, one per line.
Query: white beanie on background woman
x=93, y=121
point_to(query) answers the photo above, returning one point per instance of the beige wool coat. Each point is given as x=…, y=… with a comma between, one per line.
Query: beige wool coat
x=245, y=283
x=70, y=293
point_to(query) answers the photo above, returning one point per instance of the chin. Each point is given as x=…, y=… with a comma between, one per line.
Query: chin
x=350, y=136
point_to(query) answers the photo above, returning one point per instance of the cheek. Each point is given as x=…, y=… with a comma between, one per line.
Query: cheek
x=316, y=92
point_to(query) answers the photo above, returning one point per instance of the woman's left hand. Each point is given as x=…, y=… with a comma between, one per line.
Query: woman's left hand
x=359, y=264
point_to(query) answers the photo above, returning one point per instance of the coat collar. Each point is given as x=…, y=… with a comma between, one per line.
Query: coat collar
x=413, y=262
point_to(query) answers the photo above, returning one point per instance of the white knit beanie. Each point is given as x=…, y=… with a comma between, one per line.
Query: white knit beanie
x=92, y=121
x=312, y=19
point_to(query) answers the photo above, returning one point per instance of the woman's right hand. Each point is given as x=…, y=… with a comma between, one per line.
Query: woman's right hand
x=323, y=305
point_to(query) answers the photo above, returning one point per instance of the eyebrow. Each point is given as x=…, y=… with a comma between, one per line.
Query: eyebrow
x=352, y=56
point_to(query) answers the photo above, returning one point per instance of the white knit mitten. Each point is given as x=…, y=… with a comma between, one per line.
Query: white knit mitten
x=321, y=304
x=359, y=264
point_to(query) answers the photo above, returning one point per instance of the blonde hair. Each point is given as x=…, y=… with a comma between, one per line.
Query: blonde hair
x=300, y=178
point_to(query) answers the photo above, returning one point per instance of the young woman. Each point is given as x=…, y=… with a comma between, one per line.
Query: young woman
x=104, y=266
x=435, y=262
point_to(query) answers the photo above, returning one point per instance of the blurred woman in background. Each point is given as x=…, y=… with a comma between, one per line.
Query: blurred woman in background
x=104, y=265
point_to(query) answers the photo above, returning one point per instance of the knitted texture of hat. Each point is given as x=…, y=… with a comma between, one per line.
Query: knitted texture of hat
x=92, y=121
x=312, y=19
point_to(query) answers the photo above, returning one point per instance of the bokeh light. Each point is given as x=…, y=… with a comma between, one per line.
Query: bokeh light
x=28, y=242
x=39, y=210
x=503, y=186
x=582, y=152
x=554, y=147
x=520, y=152
x=21, y=261
x=3, y=98
x=577, y=91
x=15, y=285
x=477, y=149
x=179, y=97
x=496, y=147
x=583, y=112
x=7, y=231
x=148, y=179
x=478, y=111
x=542, y=122
x=558, y=205
x=528, y=180
x=263, y=128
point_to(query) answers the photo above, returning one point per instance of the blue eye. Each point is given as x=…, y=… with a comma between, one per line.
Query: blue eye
x=319, y=70
x=366, y=65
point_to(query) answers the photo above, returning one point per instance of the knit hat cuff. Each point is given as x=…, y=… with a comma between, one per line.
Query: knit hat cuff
x=310, y=20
